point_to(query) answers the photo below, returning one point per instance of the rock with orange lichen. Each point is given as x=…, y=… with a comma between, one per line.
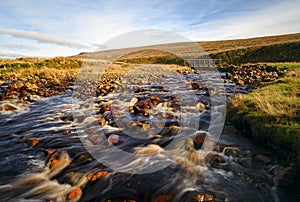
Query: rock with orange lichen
x=74, y=195
x=162, y=198
x=98, y=175
x=204, y=197
x=32, y=142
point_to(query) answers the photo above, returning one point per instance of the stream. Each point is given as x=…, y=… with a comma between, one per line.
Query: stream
x=157, y=137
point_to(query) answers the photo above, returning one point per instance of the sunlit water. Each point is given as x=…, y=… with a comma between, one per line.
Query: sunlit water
x=67, y=162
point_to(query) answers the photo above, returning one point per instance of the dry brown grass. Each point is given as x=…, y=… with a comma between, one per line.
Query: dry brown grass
x=213, y=48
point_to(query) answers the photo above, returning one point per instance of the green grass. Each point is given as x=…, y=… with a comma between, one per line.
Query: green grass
x=271, y=115
x=46, y=68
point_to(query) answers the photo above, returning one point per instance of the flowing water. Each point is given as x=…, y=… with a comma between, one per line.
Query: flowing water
x=64, y=148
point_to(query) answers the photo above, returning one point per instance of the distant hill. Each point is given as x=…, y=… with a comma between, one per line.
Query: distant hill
x=280, y=48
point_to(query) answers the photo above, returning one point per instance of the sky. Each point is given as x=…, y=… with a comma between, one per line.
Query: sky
x=47, y=28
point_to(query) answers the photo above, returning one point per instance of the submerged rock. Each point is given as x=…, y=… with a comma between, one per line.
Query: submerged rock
x=8, y=107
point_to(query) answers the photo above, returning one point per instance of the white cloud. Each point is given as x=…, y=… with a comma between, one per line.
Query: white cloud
x=280, y=18
x=7, y=53
x=96, y=22
x=42, y=38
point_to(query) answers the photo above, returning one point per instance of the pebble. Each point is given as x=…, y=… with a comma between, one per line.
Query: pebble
x=32, y=142
x=263, y=158
x=246, y=161
x=74, y=195
x=113, y=139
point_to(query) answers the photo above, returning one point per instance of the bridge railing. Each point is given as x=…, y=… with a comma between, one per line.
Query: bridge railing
x=196, y=63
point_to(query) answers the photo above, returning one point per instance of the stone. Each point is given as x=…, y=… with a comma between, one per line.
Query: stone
x=204, y=197
x=162, y=198
x=113, y=140
x=240, y=82
x=66, y=132
x=31, y=86
x=149, y=149
x=263, y=158
x=8, y=107
x=102, y=122
x=246, y=161
x=200, y=106
x=98, y=175
x=74, y=195
x=286, y=177
x=133, y=101
x=231, y=151
x=32, y=142
x=34, y=98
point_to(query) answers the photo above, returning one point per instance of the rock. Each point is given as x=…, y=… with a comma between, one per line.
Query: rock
x=102, y=122
x=192, y=85
x=66, y=132
x=240, y=82
x=96, y=139
x=263, y=158
x=200, y=138
x=204, y=197
x=34, y=98
x=8, y=107
x=133, y=101
x=138, y=89
x=12, y=86
x=74, y=195
x=200, y=106
x=162, y=198
x=246, y=161
x=32, y=142
x=98, y=175
x=2, y=82
x=231, y=151
x=113, y=139
x=286, y=177
x=31, y=86
x=149, y=149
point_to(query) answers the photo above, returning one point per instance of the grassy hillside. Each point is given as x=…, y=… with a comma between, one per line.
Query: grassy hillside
x=282, y=48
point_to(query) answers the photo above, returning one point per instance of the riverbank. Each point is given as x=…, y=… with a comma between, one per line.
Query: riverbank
x=28, y=79
x=271, y=116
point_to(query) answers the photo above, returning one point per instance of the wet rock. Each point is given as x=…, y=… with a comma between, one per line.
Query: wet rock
x=263, y=158
x=113, y=139
x=149, y=149
x=31, y=87
x=231, y=151
x=32, y=142
x=162, y=198
x=102, y=122
x=204, y=197
x=286, y=177
x=33, y=98
x=200, y=106
x=96, y=139
x=246, y=161
x=138, y=89
x=74, y=195
x=133, y=101
x=8, y=107
x=199, y=139
x=240, y=82
x=66, y=132
x=193, y=85
x=98, y=175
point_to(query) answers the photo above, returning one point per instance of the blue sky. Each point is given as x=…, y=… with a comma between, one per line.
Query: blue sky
x=48, y=28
